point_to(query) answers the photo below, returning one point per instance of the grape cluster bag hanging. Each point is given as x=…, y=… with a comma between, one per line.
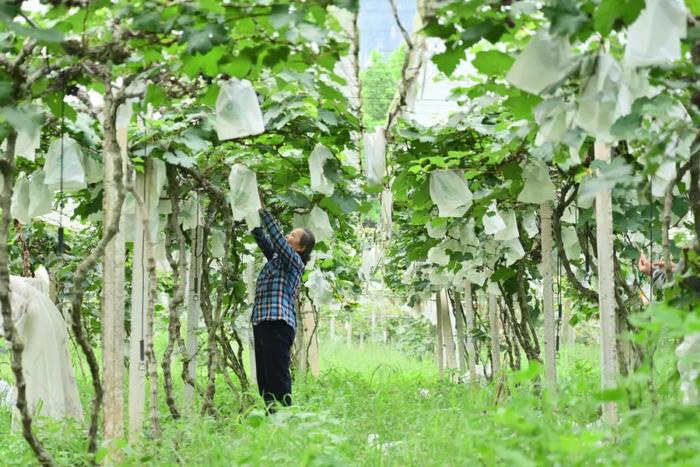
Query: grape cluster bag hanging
x=190, y=214
x=530, y=224
x=317, y=161
x=27, y=143
x=65, y=172
x=128, y=217
x=492, y=220
x=513, y=251
x=319, y=288
x=217, y=237
x=688, y=353
x=511, y=227
x=238, y=112
x=467, y=235
x=450, y=192
x=655, y=36
x=20, y=200
x=554, y=118
x=538, y=185
x=244, y=198
x=93, y=169
x=599, y=105
x=375, y=156
x=370, y=259
x=436, y=231
x=545, y=61
x=438, y=255
x=387, y=201
x=249, y=276
x=40, y=197
x=317, y=221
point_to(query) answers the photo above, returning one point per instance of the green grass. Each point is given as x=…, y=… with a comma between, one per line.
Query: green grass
x=374, y=393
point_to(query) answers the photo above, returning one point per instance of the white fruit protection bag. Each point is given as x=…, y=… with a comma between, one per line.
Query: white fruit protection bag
x=317, y=221
x=545, y=60
x=73, y=174
x=50, y=381
x=249, y=277
x=538, y=185
x=238, y=112
x=387, y=201
x=514, y=251
x=217, y=238
x=688, y=353
x=370, y=259
x=436, y=232
x=244, y=197
x=20, y=200
x=530, y=224
x=655, y=36
x=511, y=227
x=450, y=193
x=375, y=156
x=317, y=161
x=492, y=220
x=27, y=143
x=40, y=197
x=319, y=288
x=599, y=105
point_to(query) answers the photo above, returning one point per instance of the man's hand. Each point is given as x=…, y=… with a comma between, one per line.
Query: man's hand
x=645, y=265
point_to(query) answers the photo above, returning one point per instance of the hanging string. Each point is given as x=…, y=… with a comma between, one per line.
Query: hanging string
x=588, y=254
x=197, y=255
x=62, y=202
x=651, y=241
x=142, y=342
x=559, y=303
x=22, y=239
x=142, y=350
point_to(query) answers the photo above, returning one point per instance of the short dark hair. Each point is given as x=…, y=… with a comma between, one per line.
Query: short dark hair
x=308, y=241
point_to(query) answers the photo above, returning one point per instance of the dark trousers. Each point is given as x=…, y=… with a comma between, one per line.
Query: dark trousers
x=273, y=344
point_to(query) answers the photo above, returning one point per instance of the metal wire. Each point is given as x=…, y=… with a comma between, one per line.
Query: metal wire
x=61, y=205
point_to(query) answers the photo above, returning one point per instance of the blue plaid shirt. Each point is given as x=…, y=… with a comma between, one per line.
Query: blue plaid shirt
x=278, y=283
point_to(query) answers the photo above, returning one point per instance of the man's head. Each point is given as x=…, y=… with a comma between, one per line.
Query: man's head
x=302, y=240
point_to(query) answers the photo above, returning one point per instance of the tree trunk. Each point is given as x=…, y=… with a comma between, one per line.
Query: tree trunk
x=139, y=299
x=694, y=195
x=447, y=335
x=7, y=168
x=110, y=230
x=606, y=287
x=332, y=329
x=300, y=342
x=253, y=367
x=459, y=323
x=471, y=349
x=495, y=344
x=147, y=247
x=348, y=329
x=113, y=296
x=507, y=326
x=312, y=346
x=550, y=345
x=567, y=332
x=178, y=273
x=439, y=341
x=193, y=312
